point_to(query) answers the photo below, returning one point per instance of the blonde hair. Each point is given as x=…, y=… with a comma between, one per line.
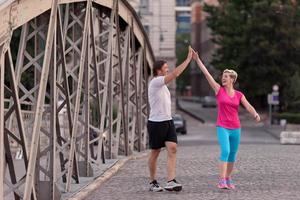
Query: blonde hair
x=232, y=74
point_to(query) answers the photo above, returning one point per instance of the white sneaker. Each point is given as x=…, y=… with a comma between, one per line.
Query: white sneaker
x=155, y=187
x=173, y=185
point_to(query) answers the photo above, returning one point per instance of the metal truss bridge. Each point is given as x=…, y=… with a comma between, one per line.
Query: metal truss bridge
x=73, y=92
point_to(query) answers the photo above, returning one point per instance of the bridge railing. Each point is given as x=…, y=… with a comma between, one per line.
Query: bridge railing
x=73, y=92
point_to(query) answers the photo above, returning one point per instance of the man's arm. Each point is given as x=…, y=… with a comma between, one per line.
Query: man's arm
x=178, y=70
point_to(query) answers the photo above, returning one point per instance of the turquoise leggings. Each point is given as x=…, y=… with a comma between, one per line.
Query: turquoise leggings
x=229, y=140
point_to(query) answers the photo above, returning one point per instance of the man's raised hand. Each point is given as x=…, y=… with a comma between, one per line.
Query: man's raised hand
x=190, y=54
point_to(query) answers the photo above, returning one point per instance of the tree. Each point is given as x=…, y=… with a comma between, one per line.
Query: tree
x=182, y=42
x=260, y=39
x=292, y=93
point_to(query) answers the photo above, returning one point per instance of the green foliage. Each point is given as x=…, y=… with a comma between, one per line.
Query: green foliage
x=291, y=118
x=292, y=93
x=260, y=39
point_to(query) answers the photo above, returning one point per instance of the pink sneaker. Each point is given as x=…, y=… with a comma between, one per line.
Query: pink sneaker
x=222, y=184
x=229, y=183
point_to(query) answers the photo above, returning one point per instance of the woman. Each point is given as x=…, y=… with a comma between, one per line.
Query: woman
x=228, y=123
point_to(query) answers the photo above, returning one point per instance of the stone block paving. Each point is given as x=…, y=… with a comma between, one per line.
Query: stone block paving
x=264, y=171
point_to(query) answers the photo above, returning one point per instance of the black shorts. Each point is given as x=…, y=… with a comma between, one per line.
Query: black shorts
x=161, y=132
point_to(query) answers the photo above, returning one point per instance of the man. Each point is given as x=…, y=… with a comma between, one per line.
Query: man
x=160, y=124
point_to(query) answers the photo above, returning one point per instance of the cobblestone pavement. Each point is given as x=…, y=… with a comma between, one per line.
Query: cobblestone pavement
x=265, y=170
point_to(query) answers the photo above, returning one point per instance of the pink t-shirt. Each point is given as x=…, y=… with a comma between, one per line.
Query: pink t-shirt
x=228, y=108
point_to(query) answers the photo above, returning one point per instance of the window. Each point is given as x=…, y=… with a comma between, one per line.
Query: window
x=144, y=6
x=182, y=2
x=146, y=27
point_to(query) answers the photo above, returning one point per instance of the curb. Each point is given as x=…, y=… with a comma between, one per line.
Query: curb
x=274, y=135
x=270, y=132
x=90, y=188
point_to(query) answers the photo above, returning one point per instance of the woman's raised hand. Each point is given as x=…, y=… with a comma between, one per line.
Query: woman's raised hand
x=195, y=55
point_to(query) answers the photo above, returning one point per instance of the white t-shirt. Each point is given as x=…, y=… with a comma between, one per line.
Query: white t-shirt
x=159, y=100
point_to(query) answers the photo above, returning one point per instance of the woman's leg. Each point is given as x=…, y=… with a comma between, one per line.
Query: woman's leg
x=223, y=169
x=223, y=138
x=234, y=140
x=229, y=169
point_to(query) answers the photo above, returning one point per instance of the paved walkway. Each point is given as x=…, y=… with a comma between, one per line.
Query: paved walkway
x=265, y=170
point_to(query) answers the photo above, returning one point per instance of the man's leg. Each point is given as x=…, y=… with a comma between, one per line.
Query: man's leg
x=171, y=163
x=157, y=132
x=172, y=184
x=152, y=163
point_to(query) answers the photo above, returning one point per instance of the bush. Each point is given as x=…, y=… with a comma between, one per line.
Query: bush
x=294, y=107
x=292, y=118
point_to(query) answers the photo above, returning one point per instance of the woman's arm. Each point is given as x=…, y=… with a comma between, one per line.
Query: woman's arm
x=178, y=70
x=215, y=86
x=250, y=108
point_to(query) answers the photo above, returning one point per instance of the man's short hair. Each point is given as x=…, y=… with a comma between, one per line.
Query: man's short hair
x=158, y=65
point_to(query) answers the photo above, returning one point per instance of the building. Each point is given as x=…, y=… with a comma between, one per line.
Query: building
x=183, y=22
x=191, y=20
x=158, y=18
x=183, y=16
x=201, y=40
x=162, y=20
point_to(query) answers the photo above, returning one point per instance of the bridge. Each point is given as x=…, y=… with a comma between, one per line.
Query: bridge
x=73, y=92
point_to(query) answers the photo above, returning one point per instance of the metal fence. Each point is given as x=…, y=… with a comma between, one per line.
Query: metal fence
x=73, y=92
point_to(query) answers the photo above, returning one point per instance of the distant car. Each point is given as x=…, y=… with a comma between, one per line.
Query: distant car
x=179, y=123
x=209, y=101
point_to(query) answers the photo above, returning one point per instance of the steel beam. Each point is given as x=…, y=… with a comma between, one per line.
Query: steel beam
x=2, y=54
x=87, y=99
x=40, y=101
x=78, y=95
